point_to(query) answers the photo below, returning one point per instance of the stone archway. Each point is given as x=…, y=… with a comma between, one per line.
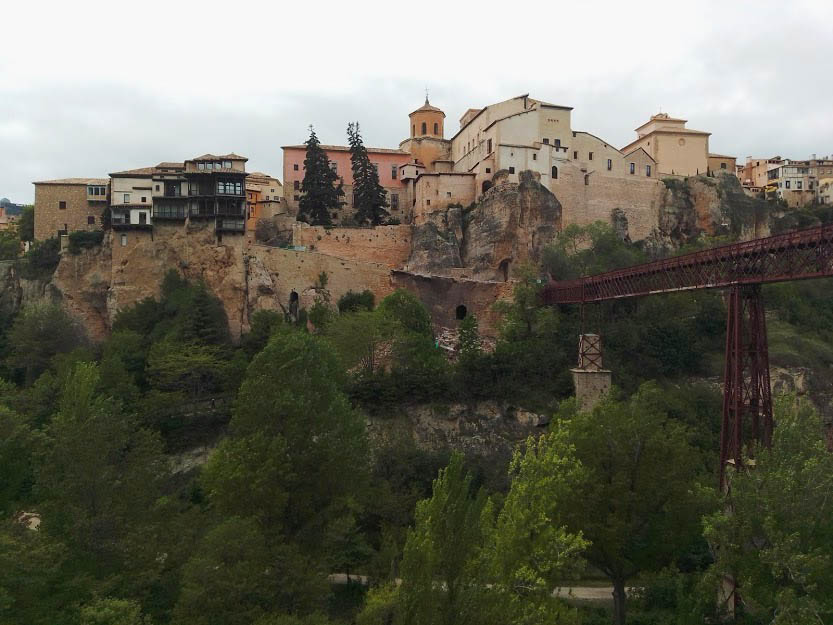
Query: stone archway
x=461, y=312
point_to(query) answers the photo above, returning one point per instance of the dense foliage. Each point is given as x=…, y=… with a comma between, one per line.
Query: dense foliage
x=181, y=477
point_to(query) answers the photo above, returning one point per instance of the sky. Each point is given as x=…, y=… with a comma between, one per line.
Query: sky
x=88, y=88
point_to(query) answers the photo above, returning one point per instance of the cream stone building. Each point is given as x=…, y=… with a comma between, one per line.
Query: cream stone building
x=675, y=148
x=720, y=164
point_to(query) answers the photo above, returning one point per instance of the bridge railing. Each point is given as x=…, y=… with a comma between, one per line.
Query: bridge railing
x=796, y=255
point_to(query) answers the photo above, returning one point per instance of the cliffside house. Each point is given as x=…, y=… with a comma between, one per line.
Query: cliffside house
x=69, y=204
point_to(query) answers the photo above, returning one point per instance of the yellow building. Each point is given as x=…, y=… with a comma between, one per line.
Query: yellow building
x=675, y=148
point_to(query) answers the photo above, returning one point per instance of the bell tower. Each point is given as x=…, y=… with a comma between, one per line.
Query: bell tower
x=427, y=121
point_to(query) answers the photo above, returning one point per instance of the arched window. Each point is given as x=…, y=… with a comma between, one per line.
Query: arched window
x=436, y=128
x=413, y=130
x=554, y=172
x=487, y=184
x=460, y=313
x=586, y=179
x=424, y=128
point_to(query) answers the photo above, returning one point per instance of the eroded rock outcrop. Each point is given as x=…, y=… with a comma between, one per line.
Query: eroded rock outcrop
x=511, y=224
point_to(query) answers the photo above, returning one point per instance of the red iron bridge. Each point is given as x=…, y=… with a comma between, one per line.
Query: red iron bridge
x=741, y=268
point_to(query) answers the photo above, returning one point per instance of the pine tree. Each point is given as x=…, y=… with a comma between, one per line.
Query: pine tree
x=369, y=196
x=320, y=193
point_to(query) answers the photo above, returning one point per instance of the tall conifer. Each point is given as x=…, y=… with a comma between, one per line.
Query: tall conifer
x=369, y=196
x=320, y=193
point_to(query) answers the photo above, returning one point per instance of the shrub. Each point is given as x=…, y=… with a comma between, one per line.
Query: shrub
x=41, y=260
x=354, y=302
x=84, y=240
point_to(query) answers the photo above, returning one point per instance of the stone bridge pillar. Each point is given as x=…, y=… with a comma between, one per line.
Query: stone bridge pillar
x=592, y=382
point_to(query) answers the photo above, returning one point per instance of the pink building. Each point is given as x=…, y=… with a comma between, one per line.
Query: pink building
x=387, y=163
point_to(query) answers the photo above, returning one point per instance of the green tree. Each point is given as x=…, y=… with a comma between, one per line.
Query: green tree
x=369, y=196
x=99, y=483
x=320, y=195
x=191, y=368
x=358, y=339
x=18, y=446
x=406, y=309
x=38, y=333
x=638, y=502
x=533, y=548
x=442, y=582
x=26, y=224
x=113, y=612
x=775, y=532
x=263, y=324
x=294, y=470
x=9, y=245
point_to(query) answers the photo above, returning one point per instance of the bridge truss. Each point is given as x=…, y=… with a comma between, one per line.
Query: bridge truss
x=741, y=268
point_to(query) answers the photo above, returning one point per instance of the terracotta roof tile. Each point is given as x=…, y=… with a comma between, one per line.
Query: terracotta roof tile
x=79, y=181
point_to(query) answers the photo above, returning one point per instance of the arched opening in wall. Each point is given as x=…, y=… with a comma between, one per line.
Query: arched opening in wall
x=293, y=305
x=413, y=130
x=586, y=179
x=503, y=269
x=436, y=128
x=487, y=184
x=554, y=172
x=461, y=312
x=424, y=128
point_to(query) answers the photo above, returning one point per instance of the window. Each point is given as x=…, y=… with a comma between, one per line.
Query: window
x=488, y=170
x=609, y=164
x=428, y=202
x=90, y=220
x=413, y=130
x=424, y=128
x=590, y=156
x=545, y=141
x=394, y=201
x=575, y=155
x=295, y=167
x=448, y=193
x=554, y=172
x=62, y=204
x=787, y=184
x=296, y=198
x=558, y=143
x=489, y=146
x=123, y=240
x=511, y=170
x=798, y=184
x=127, y=198
x=143, y=218
x=393, y=172
x=436, y=128
x=810, y=186
x=157, y=187
x=586, y=179
x=209, y=165
x=633, y=168
x=648, y=170
x=534, y=157
x=227, y=164
x=296, y=186
x=722, y=165
x=144, y=199
x=200, y=165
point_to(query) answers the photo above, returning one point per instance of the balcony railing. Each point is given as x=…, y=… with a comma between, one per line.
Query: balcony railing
x=231, y=225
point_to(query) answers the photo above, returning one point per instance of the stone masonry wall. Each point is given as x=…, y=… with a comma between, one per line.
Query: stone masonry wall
x=385, y=245
x=274, y=273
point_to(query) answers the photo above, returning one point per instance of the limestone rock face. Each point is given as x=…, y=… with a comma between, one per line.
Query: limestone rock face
x=702, y=205
x=83, y=282
x=511, y=224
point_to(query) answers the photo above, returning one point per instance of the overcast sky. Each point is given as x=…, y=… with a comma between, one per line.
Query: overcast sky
x=87, y=88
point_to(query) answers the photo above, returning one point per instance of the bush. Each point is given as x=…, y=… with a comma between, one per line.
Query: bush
x=354, y=302
x=41, y=260
x=84, y=240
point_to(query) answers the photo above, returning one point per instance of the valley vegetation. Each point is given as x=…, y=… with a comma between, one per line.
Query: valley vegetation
x=178, y=477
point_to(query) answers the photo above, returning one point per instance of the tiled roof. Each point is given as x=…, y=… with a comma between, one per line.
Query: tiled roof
x=213, y=157
x=344, y=148
x=428, y=107
x=141, y=171
x=169, y=165
x=79, y=181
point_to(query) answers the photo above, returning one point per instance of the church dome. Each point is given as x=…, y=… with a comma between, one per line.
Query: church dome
x=427, y=121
